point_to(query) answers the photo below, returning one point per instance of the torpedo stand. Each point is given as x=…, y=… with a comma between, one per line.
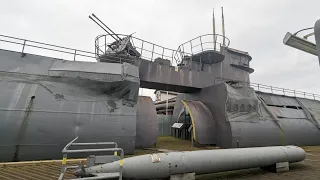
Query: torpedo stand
x=93, y=160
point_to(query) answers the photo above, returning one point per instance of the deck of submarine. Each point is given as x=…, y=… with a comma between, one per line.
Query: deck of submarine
x=47, y=170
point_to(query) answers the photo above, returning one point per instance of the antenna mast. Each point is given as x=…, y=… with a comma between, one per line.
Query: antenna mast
x=214, y=30
x=223, y=29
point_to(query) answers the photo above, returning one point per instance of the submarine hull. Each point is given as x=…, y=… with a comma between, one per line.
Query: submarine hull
x=46, y=102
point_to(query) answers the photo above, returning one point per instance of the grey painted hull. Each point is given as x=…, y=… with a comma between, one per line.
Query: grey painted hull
x=46, y=102
x=246, y=118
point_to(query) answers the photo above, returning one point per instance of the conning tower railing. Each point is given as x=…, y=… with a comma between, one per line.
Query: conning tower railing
x=151, y=51
x=209, y=42
x=147, y=50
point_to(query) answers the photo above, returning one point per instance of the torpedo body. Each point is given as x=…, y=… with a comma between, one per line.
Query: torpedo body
x=162, y=165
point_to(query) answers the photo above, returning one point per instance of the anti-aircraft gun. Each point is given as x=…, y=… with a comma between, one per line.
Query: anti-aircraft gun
x=121, y=48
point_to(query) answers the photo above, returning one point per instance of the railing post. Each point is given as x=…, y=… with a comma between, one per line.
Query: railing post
x=24, y=44
x=162, y=52
x=75, y=53
x=304, y=94
x=258, y=87
x=105, y=43
x=152, y=52
x=271, y=90
x=98, y=46
x=191, y=47
x=294, y=92
x=283, y=91
x=172, y=58
x=214, y=42
x=201, y=44
x=183, y=51
x=141, y=47
x=314, y=97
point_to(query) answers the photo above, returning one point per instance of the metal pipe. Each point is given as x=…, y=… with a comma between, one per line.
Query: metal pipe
x=92, y=150
x=96, y=143
x=162, y=165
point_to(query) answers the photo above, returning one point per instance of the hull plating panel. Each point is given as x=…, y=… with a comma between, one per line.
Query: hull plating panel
x=39, y=127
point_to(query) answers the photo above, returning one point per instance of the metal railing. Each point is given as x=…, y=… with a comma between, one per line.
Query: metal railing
x=76, y=53
x=66, y=150
x=273, y=89
x=215, y=42
x=284, y=91
x=147, y=50
x=151, y=51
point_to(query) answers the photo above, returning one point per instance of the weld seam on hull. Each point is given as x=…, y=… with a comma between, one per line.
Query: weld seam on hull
x=68, y=112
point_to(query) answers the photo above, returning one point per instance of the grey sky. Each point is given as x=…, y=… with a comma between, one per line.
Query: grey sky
x=255, y=26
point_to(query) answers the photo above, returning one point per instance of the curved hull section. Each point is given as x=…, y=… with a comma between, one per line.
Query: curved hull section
x=246, y=118
x=147, y=123
x=204, y=131
x=44, y=104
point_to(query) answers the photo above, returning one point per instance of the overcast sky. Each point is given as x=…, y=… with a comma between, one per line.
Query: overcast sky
x=255, y=26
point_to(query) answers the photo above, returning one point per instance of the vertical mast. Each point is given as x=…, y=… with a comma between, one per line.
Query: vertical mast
x=214, y=30
x=223, y=29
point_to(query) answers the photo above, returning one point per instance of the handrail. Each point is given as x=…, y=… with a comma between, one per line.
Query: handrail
x=140, y=45
x=275, y=90
x=219, y=35
x=174, y=56
x=55, y=48
x=197, y=45
x=66, y=150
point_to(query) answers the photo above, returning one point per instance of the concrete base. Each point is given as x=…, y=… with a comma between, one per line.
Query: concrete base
x=187, y=176
x=278, y=167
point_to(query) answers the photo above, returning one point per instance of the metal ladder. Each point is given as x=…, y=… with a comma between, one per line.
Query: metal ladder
x=91, y=160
